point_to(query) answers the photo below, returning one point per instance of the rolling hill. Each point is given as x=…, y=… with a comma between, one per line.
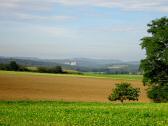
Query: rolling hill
x=79, y=64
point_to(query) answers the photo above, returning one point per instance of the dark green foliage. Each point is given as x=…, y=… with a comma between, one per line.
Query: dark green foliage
x=124, y=91
x=42, y=69
x=56, y=69
x=13, y=66
x=158, y=93
x=155, y=65
x=3, y=66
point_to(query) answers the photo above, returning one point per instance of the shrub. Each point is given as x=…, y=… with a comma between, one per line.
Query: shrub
x=124, y=91
x=56, y=69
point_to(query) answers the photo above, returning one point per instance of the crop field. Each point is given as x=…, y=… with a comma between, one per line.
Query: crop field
x=38, y=86
x=38, y=99
x=52, y=113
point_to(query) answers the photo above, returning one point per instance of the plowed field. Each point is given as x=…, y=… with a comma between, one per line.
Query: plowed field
x=30, y=87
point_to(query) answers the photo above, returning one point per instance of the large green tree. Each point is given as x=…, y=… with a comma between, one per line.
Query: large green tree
x=155, y=65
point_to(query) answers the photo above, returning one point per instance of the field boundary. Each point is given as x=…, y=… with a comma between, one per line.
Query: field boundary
x=99, y=76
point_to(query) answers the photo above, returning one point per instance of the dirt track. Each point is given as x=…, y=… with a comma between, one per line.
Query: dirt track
x=28, y=87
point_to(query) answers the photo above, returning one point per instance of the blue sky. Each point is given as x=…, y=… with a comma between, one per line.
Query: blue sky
x=52, y=29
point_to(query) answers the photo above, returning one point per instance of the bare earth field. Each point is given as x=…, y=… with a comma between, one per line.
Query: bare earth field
x=30, y=87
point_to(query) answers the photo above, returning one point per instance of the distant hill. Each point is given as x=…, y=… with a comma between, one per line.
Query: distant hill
x=85, y=62
x=80, y=64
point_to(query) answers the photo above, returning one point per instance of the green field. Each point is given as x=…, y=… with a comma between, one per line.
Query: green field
x=90, y=75
x=52, y=113
x=115, y=76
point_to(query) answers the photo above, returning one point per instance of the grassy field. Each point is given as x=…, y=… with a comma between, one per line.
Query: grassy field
x=115, y=76
x=45, y=113
x=86, y=75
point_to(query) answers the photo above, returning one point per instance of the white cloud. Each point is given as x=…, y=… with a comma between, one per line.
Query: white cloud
x=56, y=31
x=30, y=9
x=113, y=28
x=35, y=10
x=24, y=16
x=142, y=5
x=152, y=5
x=47, y=31
x=26, y=5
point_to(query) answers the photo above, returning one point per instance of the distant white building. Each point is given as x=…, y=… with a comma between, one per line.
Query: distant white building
x=117, y=66
x=72, y=63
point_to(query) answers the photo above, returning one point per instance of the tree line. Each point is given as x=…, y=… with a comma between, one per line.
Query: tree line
x=13, y=66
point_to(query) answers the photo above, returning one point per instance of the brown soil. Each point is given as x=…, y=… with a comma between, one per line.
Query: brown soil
x=27, y=87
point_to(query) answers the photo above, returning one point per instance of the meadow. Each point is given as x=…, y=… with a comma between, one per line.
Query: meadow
x=59, y=113
x=115, y=76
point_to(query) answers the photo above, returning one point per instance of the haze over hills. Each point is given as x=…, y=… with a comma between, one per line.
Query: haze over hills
x=79, y=64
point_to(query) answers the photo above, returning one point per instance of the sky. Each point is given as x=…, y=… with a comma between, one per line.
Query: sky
x=54, y=29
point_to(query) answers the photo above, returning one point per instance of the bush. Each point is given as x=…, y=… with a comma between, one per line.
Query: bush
x=159, y=93
x=3, y=66
x=124, y=91
x=42, y=70
x=56, y=69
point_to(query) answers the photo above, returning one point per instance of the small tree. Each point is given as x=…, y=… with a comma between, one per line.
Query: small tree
x=13, y=66
x=57, y=69
x=124, y=91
